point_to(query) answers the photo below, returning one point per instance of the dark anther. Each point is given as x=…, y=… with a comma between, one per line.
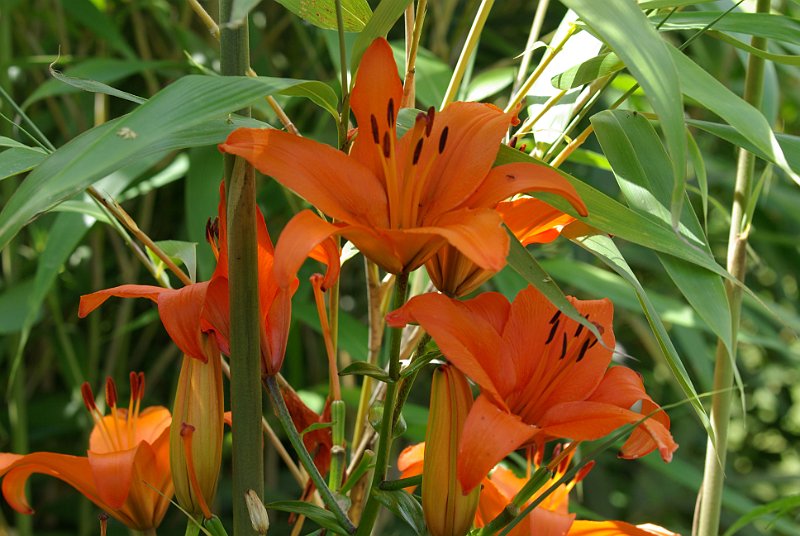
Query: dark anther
x=375, y=134
x=513, y=142
x=580, y=327
x=429, y=124
x=443, y=139
x=417, y=152
x=386, y=147
x=593, y=343
x=555, y=317
x=552, y=333
x=563, y=346
x=582, y=352
x=390, y=113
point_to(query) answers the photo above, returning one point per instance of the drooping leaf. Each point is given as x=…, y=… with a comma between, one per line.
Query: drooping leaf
x=404, y=506
x=93, y=86
x=18, y=160
x=588, y=71
x=777, y=27
x=180, y=252
x=776, y=508
x=362, y=368
x=320, y=516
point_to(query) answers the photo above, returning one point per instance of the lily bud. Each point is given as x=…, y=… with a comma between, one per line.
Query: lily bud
x=196, y=433
x=448, y=511
x=258, y=513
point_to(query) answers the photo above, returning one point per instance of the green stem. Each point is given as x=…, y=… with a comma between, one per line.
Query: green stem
x=400, y=483
x=469, y=48
x=404, y=389
x=511, y=511
x=387, y=421
x=245, y=388
x=282, y=412
x=344, y=117
x=713, y=476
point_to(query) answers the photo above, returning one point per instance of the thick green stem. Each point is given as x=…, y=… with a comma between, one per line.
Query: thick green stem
x=711, y=492
x=282, y=412
x=387, y=421
x=245, y=388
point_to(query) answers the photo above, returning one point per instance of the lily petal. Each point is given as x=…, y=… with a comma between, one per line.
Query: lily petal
x=180, y=311
x=315, y=172
x=479, y=451
x=113, y=473
x=90, y=302
x=533, y=221
x=301, y=237
x=616, y=528
x=462, y=146
x=509, y=179
x=471, y=350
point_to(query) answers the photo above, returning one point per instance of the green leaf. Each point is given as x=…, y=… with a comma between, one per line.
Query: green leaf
x=604, y=248
x=316, y=426
x=770, y=26
x=382, y=20
x=403, y=505
x=321, y=517
x=787, y=59
x=93, y=86
x=650, y=63
x=12, y=316
x=710, y=93
x=8, y=142
x=362, y=368
x=317, y=92
x=419, y=363
x=659, y=4
x=183, y=252
x=18, y=160
x=488, y=83
x=99, y=23
x=779, y=508
x=638, y=159
x=525, y=265
x=588, y=71
x=239, y=11
x=192, y=111
x=699, y=166
x=322, y=13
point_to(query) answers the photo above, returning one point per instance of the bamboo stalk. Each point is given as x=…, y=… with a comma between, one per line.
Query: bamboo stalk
x=710, y=502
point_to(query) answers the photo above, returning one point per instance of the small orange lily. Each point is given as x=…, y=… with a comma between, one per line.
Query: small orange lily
x=194, y=310
x=542, y=376
x=530, y=220
x=126, y=472
x=400, y=200
x=550, y=518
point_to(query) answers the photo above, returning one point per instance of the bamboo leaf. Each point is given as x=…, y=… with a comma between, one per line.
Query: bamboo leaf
x=18, y=160
x=322, y=13
x=362, y=368
x=404, y=506
x=382, y=20
x=777, y=27
x=650, y=63
x=778, y=508
x=320, y=516
x=588, y=71
x=190, y=112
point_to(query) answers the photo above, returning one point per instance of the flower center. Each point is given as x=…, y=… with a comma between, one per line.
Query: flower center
x=119, y=428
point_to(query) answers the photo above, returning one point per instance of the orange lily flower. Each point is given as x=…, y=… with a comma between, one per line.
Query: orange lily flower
x=530, y=220
x=400, y=200
x=542, y=376
x=203, y=308
x=126, y=472
x=550, y=518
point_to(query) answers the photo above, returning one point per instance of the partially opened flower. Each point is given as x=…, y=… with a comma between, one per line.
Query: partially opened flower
x=542, y=376
x=400, y=200
x=530, y=220
x=126, y=471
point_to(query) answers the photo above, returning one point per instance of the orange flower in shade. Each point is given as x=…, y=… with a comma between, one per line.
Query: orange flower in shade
x=542, y=376
x=400, y=200
x=194, y=310
x=551, y=517
x=126, y=472
x=530, y=220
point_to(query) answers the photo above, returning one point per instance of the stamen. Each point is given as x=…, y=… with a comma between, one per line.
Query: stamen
x=111, y=400
x=429, y=123
x=563, y=346
x=582, y=352
x=555, y=316
x=390, y=113
x=417, y=152
x=111, y=393
x=212, y=234
x=186, y=434
x=443, y=139
x=584, y=471
x=103, y=517
x=376, y=136
x=88, y=397
x=387, y=148
x=580, y=326
x=593, y=343
x=552, y=333
x=513, y=142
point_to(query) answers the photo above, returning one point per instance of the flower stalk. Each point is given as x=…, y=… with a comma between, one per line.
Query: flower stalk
x=708, y=514
x=245, y=389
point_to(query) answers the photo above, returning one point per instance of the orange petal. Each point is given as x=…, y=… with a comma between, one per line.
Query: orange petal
x=377, y=83
x=328, y=179
x=615, y=528
x=73, y=470
x=543, y=522
x=409, y=462
x=275, y=333
x=490, y=434
x=304, y=232
x=90, y=302
x=113, y=474
x=587, y=421
x=478, y=234
x=474, y=132
x=181, y=311
x=532, y=221
x=151, y=424
x=509, y=179
x=474, y=351
x=216, y=312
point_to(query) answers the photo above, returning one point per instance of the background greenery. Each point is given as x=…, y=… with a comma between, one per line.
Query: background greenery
x=142, y=46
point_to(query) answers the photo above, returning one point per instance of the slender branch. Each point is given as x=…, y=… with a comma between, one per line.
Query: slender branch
x=716, y=451
x=387, y=429
x=271, y=383
x=344, y=110
x=409, y=94
x=533, y=36
x=469, y=48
